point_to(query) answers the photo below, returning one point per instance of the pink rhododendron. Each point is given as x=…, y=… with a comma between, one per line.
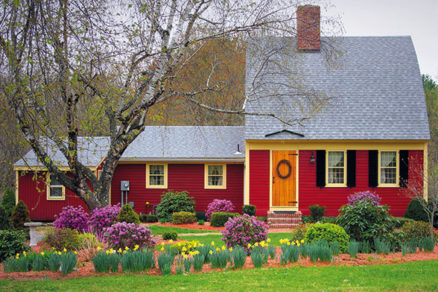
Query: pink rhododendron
x=123, y=234
x=73, y=218
x=102, y=218
x=366, y=195
x=219, y=206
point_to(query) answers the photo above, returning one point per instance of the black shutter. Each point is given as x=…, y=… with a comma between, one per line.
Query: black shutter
x=373, y=168
x=351, y=168
x=404, y=168
x=320, y=168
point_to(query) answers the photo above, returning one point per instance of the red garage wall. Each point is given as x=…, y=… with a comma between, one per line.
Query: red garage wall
x=334, y=198
x=181, y=177
x=32, y=190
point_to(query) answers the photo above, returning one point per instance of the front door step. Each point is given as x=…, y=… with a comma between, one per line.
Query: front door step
x=284, y=219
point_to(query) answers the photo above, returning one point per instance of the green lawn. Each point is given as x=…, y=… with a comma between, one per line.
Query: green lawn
x=207, y=239
x=160, y=229
x=418, y=276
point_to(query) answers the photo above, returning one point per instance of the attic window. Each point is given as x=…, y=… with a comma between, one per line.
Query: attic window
x=215, y=176
x=156, y=176
x=55, y=190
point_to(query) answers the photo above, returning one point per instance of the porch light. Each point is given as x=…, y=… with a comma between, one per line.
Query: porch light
x=312, y=158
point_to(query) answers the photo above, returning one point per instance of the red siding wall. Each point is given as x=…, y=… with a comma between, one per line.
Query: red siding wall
x=181, y=177
x=259, y=180
x=334, y=198
x=33, y=192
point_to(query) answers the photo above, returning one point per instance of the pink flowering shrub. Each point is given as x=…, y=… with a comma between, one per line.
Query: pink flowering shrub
x=244, y=230
x=72, y=218
x=123, y=234
x=219, y=206
x=102, y=218
x=366, y=195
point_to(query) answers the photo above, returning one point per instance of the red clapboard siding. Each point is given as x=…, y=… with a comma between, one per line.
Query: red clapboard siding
x=334, y=198
x=181, y=177
x=33, y=192
x=259, y=180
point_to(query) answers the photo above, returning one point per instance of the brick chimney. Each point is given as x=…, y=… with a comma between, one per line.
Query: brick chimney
x=308, y=28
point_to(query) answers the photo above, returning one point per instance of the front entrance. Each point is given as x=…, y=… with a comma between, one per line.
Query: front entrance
x=284, y=175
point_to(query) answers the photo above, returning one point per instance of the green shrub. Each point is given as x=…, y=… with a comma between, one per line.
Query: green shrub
x=89, y=240
x=415, y=211
x=395, y=239
x=167, y=235
x=201, y=222
x=249, y=209
x=147, y=218
x=172, y=202
x=300, y=232
x=218, y=219
x=416, y=229
x=20, y=215
x=163, y=220
x=63, y=238
x=329, y=232
x=8, y=201
x=329, y=220
x=201, y=216
x=400, y=221
x=316, y=212
x=11, y=243
x=262, y=218
x=364, y=220
x=128, y=215
x=306, y=219
x=183, y=217
x=5, y=222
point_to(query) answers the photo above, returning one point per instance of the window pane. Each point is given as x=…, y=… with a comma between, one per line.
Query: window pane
x=388, y=159
x=54, y=181
x=336, y=159
x=156, y=180
x=335, y=175
x=214, y=180
x=56, y=192
x=156, y=169
x=215, y=170
x=388, y=176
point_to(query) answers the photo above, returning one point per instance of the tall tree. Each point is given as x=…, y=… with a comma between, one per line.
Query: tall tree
x=71, y=67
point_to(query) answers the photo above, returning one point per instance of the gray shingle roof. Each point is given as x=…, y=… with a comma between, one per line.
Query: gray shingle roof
x=376, y=93
x=165, y=143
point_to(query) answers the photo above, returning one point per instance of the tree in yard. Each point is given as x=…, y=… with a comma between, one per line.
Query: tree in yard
x=75, y=68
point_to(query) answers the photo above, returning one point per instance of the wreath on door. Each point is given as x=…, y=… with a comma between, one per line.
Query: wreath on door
x=289, y=167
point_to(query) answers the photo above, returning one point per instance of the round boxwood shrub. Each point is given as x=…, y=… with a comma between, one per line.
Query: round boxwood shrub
x=123, y=234
x=63, y=238
x=168, y=235
x=249, y=209
x=5, y=222
x=11, y=243
x=244, y=230
x=128, y=215
x=20, y=215
x=102, y=218
x=8, y=201
x=317, y=212
x=218, y=219
x=73, y=218
x=329, y=232
x=219, y=206
x=416, y=229
x=416, y=211
x=172, y=202
x=183, y=217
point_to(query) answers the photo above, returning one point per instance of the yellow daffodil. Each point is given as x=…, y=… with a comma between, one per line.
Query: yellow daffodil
x=59, y=253
x=218, y=249
x=126, y=248
x=183, y=253
x=256, y=244
x=210, y=252
x=185, y=256
x=120, y=250
x=268, y=240
x=184, y=248
x=171, y=241
x=98, y=248
x=298, y=244
x=231, y=249
x=42, y=253
x=223, y=247
x=75, y=252
x=288, y=243
x=302, y=240
x=249, y=245
x=107, y=252
x=212, y=243
x=162, y=248
x=64, y=250
x=162, y=243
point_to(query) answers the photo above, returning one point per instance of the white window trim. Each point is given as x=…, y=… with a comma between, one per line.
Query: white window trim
x=48, y=189
x=397, y=179
x=327, y=169
x=148, y=185
x=224, y=177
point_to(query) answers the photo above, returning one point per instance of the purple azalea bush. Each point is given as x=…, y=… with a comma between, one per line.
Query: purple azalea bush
x=123, y=234
x=244, y=230
x=366, y=195
x=73, y=218
x=102, y=218
x=218, y=206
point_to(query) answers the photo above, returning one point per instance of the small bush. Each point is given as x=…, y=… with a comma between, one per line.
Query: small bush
x=225, y=206
x=73, y=218
x=218, y=219
x=8, y=201
x=316, y=212
x=11, y=243
x=249, y=209
x=416, y=229
x=328, y=232
x=172, y=202
x=300, y=232
x=63, y=238
x=163, y=220
x=102, y=218
x=183, y=217
x=329, y=220
x=128, y=215
x=201, y=216
x=123, y=234
x=147, y=218
x=415, y=211
x=88, y=240
x=201, y=222
x=20, y=215
x=167, y=235
x=400, y=221
x=243, y=230
x=5, y=222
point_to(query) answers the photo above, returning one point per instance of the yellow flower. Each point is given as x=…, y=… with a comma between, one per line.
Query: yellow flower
x=75, y=252
x=210, y=252
x=269, y=240
x=171, y=241
x=231, y=249
x=64, y=250
x=120, y=250
x=147, y=203
x=249, y=245
x=107, y=252
x=184, y=248
x=17, y=255
x=212, y=243
x=223, y=247
x=42, y=253
x=288, y=243
x=59, y=253
x=298, y=244
x=183, y=253
x=218, y=249
x=162, y=248
x=126, y=248
x=124, y=252
x=302, y=240
x=98, y=248
x=256, y=244
x=185, y=256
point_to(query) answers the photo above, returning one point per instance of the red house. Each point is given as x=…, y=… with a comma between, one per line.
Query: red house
x=371, y=134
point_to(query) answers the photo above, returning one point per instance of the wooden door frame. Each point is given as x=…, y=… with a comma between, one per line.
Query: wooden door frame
x=285, y=208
